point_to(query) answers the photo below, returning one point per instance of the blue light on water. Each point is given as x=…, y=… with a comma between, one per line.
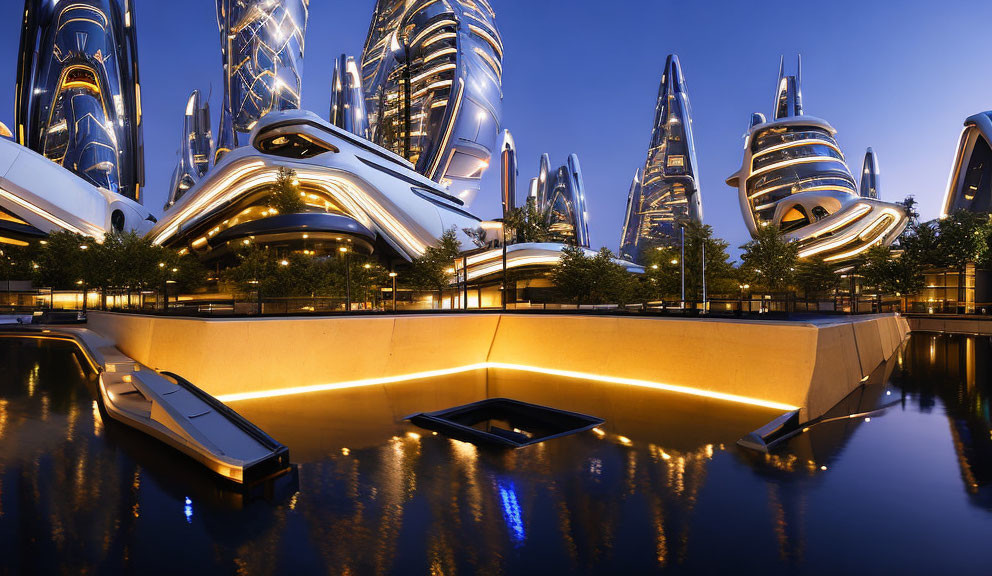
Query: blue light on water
x=511, y=510
x=188, y=510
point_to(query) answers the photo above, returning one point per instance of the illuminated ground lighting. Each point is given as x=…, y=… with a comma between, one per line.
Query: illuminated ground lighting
x=505, y=366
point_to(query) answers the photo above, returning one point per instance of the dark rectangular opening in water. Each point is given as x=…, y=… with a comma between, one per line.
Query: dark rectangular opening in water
x=505, y=422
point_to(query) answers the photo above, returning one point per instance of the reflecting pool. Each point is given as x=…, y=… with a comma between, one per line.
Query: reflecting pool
x=660, y=487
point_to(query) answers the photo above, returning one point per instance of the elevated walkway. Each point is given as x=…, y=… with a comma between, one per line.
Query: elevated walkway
x=170, y=408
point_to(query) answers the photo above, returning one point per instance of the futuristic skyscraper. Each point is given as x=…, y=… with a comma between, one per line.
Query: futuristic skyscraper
x=262, y=44
x=194, y=148
x=560, y=196
x=348, y=98
x=970, y=184
x=794, y=177
x=78, y=98
x=667, y=190
x=870, y=176
x=432, y=75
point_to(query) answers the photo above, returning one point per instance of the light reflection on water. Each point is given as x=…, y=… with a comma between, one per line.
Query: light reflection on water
x=661, y=487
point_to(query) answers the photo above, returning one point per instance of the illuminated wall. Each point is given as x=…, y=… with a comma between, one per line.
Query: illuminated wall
x=262, y=44
x=794, y=176
x=78, y=98
x=666, y=191
x=432, y=73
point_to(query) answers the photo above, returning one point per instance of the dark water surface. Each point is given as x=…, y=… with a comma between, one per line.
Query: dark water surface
x=659, y=488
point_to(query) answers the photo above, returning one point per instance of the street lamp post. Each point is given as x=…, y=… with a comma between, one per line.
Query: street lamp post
x=393, y=276
x=682, y=262
x=367, y=268
x=347, y=274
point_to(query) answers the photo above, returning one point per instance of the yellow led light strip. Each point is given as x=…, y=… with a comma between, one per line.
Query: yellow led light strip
x=506, y=366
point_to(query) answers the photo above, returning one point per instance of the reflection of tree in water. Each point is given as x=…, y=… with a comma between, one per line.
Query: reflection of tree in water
x=955, y=370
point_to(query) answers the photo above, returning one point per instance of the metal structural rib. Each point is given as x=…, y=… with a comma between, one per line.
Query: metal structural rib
x=348, y=98
x=794, y=176
x=560, y=196
x=262, y=45
x=356, y=195
x=432, y=72
x=194, y=148
x=666, y=191
x=78, y=98
x=969, y=186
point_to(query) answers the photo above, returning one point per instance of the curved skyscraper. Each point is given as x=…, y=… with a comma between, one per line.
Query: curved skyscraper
x=194, y=148
x=432, y=75
x=262, y=44
x=794, y=176
x=560, y=195
x=348, y=98
x=667, y=190
x=970, y=184
x=871, y=176
x=78, y=98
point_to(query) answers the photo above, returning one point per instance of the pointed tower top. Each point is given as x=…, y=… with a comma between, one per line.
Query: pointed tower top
x=788, y=91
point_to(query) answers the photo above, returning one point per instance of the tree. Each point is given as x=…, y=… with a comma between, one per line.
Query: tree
x=662, y=272
x=769, y=260
x=528, y=224
x=431, y=270
x=892, y=273
x=721, y=278
x=285, y=195
x=60, y=261
x=814, y=276
x=366, y=274
x=257, y=271
x=963, y=237
x=592, y=280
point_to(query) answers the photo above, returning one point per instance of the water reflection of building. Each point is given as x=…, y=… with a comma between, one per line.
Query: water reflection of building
x=957, y=370
x=432, y=75
x=666, y=191
x=794, y=177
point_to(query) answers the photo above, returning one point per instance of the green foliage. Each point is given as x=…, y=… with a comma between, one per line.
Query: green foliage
x=891, y=273
x=61, y=261
x=769, y=260
x=721, y=278
x=15, y=262
x=285, y=194
x=527, y=224
x=814, y=277
x=662, y=272
x=964, y=237
x=593, y=280
x=257, y=270
x=430, y=270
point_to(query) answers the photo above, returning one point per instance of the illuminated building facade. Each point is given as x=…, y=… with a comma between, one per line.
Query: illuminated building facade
x=348, y=98
x=432, y=75
x=871, y=176
x=262, y=43
x=354, y=194
x=78, y=98
x=560, y=195
x=666, y=191
x=195, y=146
x=970, y=184
x=794, y=177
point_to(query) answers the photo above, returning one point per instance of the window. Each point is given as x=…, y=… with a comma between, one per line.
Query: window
x=293, y=146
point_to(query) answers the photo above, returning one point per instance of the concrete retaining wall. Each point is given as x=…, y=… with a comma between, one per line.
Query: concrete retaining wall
x=808, y=365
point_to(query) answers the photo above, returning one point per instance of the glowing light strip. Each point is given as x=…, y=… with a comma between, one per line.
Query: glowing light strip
x=507, y=366
x=796, y=143
x=855, y=213
x=802, y=160
x=95, y=232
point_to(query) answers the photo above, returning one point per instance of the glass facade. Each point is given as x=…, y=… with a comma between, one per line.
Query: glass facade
x=78, y=92
x=666, y=190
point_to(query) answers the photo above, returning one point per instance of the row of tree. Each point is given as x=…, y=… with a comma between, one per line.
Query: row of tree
x=123, y=263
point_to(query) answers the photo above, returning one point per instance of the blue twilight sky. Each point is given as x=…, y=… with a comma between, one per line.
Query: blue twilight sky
x=583, y=77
